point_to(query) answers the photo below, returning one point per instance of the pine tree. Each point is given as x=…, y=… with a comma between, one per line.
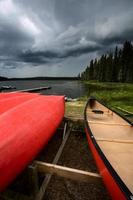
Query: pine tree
x=115, y=66
x=109, y=67
x=126, y=60
x=91, y=70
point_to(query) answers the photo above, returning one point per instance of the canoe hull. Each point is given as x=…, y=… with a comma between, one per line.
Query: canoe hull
x=24, y=131
x=114, y=184
x=13, y=101
x=108, y=180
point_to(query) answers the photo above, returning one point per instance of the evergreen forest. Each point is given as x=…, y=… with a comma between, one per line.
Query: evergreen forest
x=112, y=67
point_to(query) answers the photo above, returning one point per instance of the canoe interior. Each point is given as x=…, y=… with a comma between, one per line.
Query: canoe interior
x=114, y=135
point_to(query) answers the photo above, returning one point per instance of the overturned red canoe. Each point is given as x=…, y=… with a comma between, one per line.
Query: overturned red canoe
x=15, y=100
x=24, y=130
x=12, y=94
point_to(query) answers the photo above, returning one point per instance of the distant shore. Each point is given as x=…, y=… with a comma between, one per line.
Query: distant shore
x=39, y=78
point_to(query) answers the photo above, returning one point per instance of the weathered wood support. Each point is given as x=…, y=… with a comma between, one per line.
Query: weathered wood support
x=66, y=172
x=64, y=131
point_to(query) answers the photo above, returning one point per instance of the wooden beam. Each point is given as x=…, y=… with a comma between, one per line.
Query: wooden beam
x=114, y=140
x=64, y=131
x=59, y=152
x=66, y=172
x=111, y=124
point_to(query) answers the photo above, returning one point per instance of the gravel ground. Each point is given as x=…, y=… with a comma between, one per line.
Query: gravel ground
x=77, y=155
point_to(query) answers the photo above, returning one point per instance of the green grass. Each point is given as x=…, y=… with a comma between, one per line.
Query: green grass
x=112, y=94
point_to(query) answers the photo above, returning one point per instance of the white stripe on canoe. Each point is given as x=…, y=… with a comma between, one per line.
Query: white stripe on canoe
x=114, y=140
x=114, y=124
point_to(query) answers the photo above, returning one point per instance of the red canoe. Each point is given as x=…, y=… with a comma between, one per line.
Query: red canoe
x=25, y=128
x=13, y=101
x=110, y=138
x=12, y=94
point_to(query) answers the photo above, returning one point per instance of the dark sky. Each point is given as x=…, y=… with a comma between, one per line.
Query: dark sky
x=59, y=37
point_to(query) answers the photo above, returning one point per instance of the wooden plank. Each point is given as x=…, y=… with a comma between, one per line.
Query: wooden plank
x=111, y=124
x=64, y=131
x=114, y=140
x=66, y=172
x=59, y=152
x=47, y=179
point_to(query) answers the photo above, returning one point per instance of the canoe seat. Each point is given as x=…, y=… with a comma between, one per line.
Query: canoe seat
x=98, y=111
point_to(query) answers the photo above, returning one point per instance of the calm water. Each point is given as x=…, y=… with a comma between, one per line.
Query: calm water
x=71, y=89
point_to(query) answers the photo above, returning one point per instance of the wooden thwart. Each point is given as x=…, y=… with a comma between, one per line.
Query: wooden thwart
x=66, y=172
x=103, y=123
x=114, y=140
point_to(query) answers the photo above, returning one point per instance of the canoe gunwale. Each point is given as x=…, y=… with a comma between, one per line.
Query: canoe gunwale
x=113, y=173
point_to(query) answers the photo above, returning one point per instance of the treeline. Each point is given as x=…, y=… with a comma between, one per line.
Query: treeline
x=2, y=78
x=45, y=78
x=112, y=67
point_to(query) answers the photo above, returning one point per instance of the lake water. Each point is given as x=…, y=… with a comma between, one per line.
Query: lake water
x=71, y=89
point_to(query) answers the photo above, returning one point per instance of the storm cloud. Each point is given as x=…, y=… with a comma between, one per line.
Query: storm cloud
x=59, y=37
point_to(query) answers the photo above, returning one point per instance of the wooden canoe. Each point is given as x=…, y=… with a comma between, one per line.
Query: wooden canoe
x=25, y=128
x=110, y=137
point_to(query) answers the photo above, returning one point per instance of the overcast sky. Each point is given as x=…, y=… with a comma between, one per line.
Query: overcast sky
x=59, y=37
